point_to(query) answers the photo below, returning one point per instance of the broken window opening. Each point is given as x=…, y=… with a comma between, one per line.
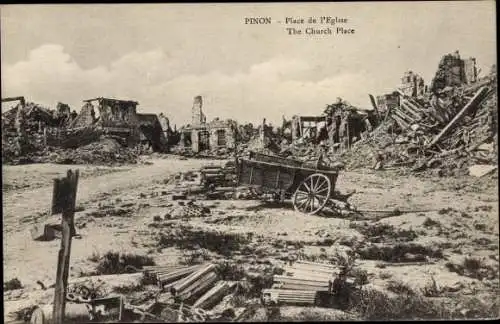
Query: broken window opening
x=203, y=140
x=221, y=137
x=187, y=139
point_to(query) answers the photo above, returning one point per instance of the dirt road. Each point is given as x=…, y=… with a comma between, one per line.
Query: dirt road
x=19, y=204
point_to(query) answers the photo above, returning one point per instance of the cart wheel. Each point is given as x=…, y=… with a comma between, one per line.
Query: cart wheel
x=312, y=194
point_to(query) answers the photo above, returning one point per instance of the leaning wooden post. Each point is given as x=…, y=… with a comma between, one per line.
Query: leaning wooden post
x=64, y=201
x=478, y=97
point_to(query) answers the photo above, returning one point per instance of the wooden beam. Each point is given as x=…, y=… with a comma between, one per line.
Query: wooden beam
x=478, y=97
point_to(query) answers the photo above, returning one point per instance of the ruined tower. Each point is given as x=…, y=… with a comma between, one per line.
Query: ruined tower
x=470, y=70
x=197, y=114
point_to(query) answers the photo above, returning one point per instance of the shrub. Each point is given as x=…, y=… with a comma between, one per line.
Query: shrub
x=12, y=284
x=114, y=263
x=399, y=287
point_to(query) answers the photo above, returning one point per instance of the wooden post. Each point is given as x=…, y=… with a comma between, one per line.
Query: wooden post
x=64, y=201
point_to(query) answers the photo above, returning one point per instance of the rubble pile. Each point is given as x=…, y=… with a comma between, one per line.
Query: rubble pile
x=35, y=116
x=106, y=151
x=22, y=129
x=220, y=153
x=447, y=132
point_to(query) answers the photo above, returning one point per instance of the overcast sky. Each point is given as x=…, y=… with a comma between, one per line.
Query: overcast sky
x=163, y=55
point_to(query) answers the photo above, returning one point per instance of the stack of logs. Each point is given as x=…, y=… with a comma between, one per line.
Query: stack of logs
x=198, y=285
x=215, y=176
x=302, y=284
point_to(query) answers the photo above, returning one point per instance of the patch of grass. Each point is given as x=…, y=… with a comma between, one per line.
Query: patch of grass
x=445, y=210
x=325, y=242
x=12, y=284
x=379, y=232
x=216, y=241
x=399, y=287
x=309, y=314
x=24, y=314
x=231, y=272
x=95, y=257
x=429, y=222
x=360, y=276
x=79, y=208
x=401, y=252
x=116, y=263
x=258, y=283
x=480, y=226
x=254, y=283
x=375, y=305
x=431, y=289
x=111, y=211
x=482, y=241
x=125, y=290
x=474, y=268
x=385, y=275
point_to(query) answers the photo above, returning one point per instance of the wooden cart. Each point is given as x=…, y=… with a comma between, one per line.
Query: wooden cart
x=310, y=187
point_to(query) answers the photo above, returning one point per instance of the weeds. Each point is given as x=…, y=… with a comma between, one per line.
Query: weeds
x=114, y=263
x=95, y=257
x=375, y=305
x=399, y=287
x=79, y=208
x=385, y=275
x=231, y=272
x=402, y=252
x=12, y=284
x=431, y=289
x=109, y=212
x=429, y=222
x=474, y=268
x=318, y=315
x=379, y=232
x=125, y=290
x=215, y=241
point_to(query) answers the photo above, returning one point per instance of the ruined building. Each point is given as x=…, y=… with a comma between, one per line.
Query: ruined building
x=201, y=136
x=412, y=84
x=119, y=118
x=197, y=115
x=107, y=112
x=151, y=132
x=387, y=102
x=454, y=71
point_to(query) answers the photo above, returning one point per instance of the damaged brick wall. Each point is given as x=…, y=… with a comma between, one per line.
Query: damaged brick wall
x=412, y=84
x=198, y=117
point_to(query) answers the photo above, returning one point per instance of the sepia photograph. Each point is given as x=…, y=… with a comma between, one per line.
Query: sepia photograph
x=249, y=162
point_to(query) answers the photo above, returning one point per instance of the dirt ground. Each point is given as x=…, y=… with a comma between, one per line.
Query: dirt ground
x=450, y=221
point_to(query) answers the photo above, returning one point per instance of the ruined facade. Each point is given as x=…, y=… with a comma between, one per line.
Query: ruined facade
x=151, y=132
x=454, y=71
x=107, y=113
x=387, y=102
x=412, y=84
x=470, y=70
x=201, y=136
x=120, y=118
x=306, y=126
